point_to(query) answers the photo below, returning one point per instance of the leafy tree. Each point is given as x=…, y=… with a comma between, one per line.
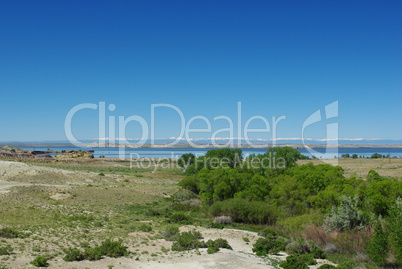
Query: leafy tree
x=224, y=156
x=373, y=176
x=394, y=224
x=186, y=160
x=377, y=247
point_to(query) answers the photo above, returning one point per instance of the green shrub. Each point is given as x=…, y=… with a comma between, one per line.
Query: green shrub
x=243, y=210
x=93, y=254
x=220, y=243
x=308, y=259
x=113, y=249
x=317, y=253
x=298, y=246
x=7, y=250
x=268, y=232
x=265, y=246
x=9, y=233
x=145, y=228
x=73, y=254
x=394, y=224
x=171, y=233
x=377, y=247
x=180, y=218
x=294, y=262
x=215, y=225
x=188, y=241
x=191, y=183
x=40, y=261
x=212, y=250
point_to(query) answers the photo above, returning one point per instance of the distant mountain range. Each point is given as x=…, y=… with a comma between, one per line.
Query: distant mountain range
x=163, y=142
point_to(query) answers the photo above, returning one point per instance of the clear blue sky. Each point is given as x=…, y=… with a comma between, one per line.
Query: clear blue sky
x=276, y=57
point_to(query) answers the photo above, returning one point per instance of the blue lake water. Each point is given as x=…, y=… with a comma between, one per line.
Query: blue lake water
x=177, y=152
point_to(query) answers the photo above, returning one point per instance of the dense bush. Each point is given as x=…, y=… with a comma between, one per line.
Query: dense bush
x=40, y=261
x=9, y=233
x=242, y=210
x=394, y=224
x=73, y=254
x=180, y=218
x=270, y=245
x=113, y=249
x=377, y=247
x=7, y=250
x=220, y=243
x=297, y=261
x=187, y=241
x=212, y=250
x=294, y=197
x=93, y=254
x=145, y=228
x=170, y=233
x=190, y=240
x=215, y=225
x=317, y=253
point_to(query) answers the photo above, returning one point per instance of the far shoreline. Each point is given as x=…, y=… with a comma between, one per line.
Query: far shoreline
x=199, y=146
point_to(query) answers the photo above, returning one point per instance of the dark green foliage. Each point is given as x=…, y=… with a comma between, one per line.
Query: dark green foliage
x=191, y=183
x=394, y=224
x=186, y=160
x=113, y=249
x=180, y=218
x=108, y=248
x=288, y=154
x=220, y=243
x=92, y=254
x=242, y=210
x=294, y=261
x=213, y=249
x=377, y=247
x=171, y=233
x=317, y=253
x=373, y=176
x=40, y=261
x=308, y=259
x=326, y=266
x=145, y=228
x=9, y=233
x=227, y=157
x=7, y=250
x=73, y=254
x=272, y=245
x=377, y=155
x=188, y=241
x=268, y=232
